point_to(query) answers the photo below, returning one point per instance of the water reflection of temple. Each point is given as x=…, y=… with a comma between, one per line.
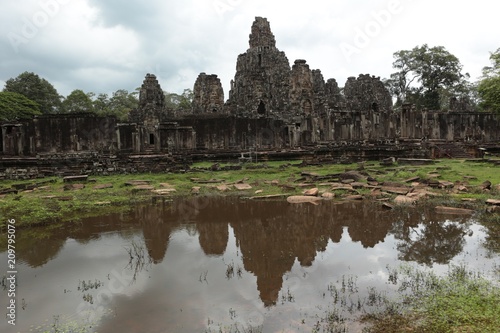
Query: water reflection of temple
x=271, y=235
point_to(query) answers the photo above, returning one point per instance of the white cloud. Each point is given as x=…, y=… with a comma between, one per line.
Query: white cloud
x=111, y=45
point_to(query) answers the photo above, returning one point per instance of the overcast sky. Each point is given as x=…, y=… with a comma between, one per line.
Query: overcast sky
x=104, y=45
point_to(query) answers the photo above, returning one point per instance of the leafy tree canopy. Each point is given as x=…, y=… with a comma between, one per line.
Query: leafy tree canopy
x=426, y=76
x=489, y=86
x=78, y=101
x=37, y=89
x=119, y=104
x=175, y=101
x=16, y=106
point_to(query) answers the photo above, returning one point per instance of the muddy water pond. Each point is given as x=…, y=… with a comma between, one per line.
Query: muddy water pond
x=211, y=264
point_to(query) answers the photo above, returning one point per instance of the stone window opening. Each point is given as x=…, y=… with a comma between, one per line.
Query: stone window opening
x=260, y=59
x=151, y=139
x=375, y=107
x=262, y=108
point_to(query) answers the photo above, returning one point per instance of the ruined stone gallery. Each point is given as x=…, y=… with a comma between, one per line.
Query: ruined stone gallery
x=272, y=108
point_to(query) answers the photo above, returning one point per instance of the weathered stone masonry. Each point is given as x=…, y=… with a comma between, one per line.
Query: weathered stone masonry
x=271, y=109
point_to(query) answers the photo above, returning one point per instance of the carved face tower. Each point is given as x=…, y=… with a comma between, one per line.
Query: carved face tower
x=262, y=81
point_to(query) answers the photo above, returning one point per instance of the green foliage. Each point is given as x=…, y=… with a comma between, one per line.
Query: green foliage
x=16, y=106
x=37, y=89
x=118, y=105
x=461, y=301
x=489, y=86
x=423, y=76
x=77, y=102
x=175, y=101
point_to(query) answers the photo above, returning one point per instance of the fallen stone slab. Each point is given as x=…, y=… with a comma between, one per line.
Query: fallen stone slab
x=164, y=191
x=242, y=186
x=270, y=196
x=412, y=180
x=328, y=195
x=68, y=179
x=259, y=191
x=23, y=186
x=102, y=203
x=355, y=175
x=103, y=186
x=195, y=190
x=138, y=188
x=8, y=191
x=393, y=184
x=403, y=200
x=433, y=183
x=446, y=184
x=493, y=209
x=306, y=185
x=328, y=184
x=486, y=185
x=386, y=205
x=357, y=185
x=453, y=210
x=223, y=188
x=354, y=197
x=311, y=192
x=395, y=190
x=209, y=181
x=287, y=187
x=415, y=161
x=64, y=198
x=493, y=202
x=74, y=187
x=137, y=182
x=297, y=199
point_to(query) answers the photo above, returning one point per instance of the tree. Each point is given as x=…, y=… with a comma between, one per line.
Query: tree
x=37, y=89
x=77, y=101
x=489, y=86
x=101, y=104
x=121, y=103
x=175, y=101
x=15, y=106
x=424, y=75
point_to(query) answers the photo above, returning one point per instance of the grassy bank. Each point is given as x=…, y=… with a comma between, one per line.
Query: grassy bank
x=52, y=200
x=461, y=301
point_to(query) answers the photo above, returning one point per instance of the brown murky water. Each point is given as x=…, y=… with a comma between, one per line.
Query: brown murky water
x=205, y=263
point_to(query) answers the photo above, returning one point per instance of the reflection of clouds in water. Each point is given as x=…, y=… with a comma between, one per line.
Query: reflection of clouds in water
x=280, y=248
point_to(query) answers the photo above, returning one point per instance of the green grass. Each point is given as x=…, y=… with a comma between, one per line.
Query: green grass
x=31, y=208
x=461, y=301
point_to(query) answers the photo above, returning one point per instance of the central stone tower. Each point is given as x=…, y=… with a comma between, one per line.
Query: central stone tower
x=261, y=85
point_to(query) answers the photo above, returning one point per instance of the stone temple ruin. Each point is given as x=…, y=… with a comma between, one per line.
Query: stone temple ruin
x=273, y=111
